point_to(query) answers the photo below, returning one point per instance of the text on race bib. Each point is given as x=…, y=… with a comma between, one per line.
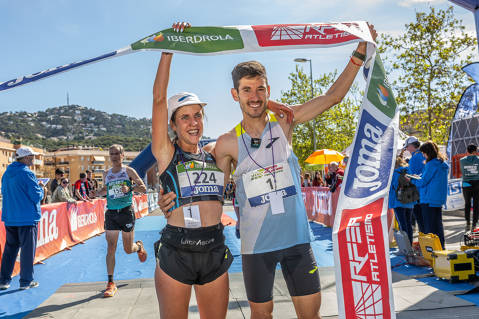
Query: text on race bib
x=260, y=183
x=198, y=178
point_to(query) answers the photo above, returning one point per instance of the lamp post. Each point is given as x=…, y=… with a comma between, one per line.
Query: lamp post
x=302, y=60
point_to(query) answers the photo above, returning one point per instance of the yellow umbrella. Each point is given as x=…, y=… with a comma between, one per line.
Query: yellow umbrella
x=324, y=156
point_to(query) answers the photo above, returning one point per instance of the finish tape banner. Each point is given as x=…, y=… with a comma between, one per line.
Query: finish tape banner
x=226, y=40
x=360, y=233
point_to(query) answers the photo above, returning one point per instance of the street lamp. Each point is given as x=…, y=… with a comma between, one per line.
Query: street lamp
x=302, y=60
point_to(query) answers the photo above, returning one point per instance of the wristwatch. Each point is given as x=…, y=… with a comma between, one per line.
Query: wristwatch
x=358, y=55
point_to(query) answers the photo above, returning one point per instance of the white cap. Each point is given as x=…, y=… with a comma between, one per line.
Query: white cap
x=24, y=151
x=182, y=99
x=410, y=140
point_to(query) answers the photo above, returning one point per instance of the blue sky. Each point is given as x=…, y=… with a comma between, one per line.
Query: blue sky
x=39, y=34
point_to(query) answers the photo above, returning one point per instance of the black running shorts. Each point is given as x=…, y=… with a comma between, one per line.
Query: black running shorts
x=193, y=256
x=120, y=219
x=299, y=268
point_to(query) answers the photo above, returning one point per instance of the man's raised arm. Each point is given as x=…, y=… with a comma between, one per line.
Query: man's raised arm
x=314, y=107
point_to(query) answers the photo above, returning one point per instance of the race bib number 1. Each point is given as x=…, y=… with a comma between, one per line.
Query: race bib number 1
x=192, y=216
x=260, y=184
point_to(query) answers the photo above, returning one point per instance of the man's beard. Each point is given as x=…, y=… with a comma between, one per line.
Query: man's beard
x=246, y=109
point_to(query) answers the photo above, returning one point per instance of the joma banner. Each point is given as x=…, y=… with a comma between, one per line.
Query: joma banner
x=360, y=234
x=224, y=40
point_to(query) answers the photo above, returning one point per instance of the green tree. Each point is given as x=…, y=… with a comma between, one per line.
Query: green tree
x=334, y=128
x=426, y=61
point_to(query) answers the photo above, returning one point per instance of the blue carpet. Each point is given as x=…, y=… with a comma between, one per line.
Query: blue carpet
x=398, y=264
x=86, y=263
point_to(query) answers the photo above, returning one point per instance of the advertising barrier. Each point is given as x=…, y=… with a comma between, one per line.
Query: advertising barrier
x=63, y=225
x=320, y=204
x=455, y=199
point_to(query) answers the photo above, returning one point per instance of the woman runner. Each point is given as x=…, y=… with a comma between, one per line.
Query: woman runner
x=191, y=251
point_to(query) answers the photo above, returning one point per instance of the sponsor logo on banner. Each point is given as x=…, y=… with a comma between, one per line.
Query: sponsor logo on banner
x=455, y=199
x=364, y=262
x=81, y=220
x=195, y=40
x=379, y=92
x=47, y=227
x=299, y=34
x=369, y=173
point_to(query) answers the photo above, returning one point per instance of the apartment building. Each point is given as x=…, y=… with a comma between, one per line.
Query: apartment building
x=78, y=160
x=72, y=161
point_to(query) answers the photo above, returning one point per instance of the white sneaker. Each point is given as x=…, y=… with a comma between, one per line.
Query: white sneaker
x=33, y=284
x=4, y=286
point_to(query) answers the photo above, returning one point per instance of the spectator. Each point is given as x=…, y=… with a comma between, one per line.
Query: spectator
x=22, y=193
x=334, y=177
x=81, y=188
x=92, y=184
x=318, y=180
x=62, y=193
x=402, y=211
x=470, y=185
x=433, y=189
x=416, y=167
x=59, y=173
x=307, y=180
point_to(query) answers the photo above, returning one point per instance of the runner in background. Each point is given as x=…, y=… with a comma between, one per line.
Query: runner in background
x=120, y=215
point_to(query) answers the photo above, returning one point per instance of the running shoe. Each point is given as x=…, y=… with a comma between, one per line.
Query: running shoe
x=141, y=252
x=4, y=286
x=110, y=290
x=33, y=284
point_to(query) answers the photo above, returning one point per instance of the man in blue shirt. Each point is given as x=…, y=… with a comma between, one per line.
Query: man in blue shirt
x=21, y=212
x=416, y=167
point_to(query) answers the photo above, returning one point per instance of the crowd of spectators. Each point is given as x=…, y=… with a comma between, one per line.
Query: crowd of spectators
x=427, y=171
x=332, y=178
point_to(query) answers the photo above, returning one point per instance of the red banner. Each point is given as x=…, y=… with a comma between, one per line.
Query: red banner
x=363, y=275
x=64, y=225
x=320, y=204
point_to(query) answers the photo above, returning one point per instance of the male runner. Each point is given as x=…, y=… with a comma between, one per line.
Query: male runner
x=120, y=215
x=274, y=226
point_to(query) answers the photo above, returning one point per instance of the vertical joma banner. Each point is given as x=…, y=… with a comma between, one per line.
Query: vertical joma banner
x=360, y=234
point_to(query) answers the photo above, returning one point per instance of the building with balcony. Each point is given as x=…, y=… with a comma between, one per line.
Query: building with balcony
x=78, y=160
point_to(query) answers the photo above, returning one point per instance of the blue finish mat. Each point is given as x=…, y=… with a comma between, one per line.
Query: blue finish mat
x=86, y=263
